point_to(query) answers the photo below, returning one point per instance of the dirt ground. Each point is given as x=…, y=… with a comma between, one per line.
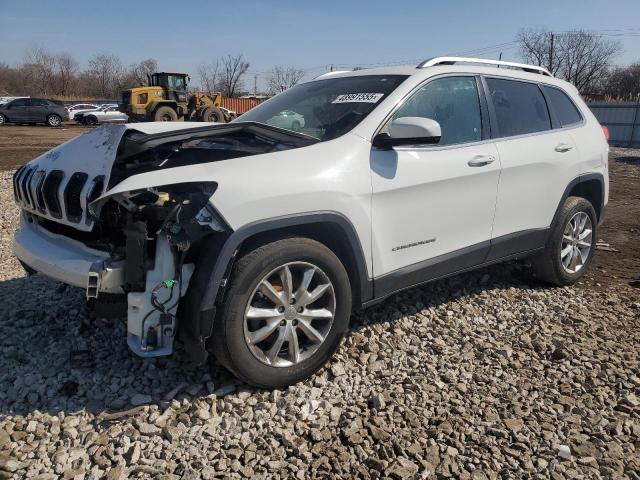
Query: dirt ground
x=619, y=264
x=21, y=143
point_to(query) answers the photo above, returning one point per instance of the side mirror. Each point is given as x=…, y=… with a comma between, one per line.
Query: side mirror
x=409, y=131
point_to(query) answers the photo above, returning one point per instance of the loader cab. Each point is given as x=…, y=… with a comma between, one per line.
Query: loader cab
x=174, y=84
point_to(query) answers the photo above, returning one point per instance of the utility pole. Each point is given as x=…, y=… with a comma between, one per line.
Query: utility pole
x=255, y=85
x=331, y=68
x=551, y=52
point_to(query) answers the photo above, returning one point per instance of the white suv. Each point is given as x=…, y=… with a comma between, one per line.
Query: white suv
x=255, y=242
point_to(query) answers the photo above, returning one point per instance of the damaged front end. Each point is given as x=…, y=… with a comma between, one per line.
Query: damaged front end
x=155, y=234
x=125, y=212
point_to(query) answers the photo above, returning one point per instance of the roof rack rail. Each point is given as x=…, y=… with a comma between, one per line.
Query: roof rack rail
x=432, y=62
x=331, y=73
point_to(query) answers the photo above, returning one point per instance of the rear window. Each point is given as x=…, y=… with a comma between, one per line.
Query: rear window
x=520, y=107
x=564, y=109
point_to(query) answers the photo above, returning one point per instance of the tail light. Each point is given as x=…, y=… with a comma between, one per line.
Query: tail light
x=606, y=132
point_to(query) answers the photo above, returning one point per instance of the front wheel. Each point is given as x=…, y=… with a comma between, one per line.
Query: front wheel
x=54, y=120
x=165, y=114
x=572, y=242
x=285, y=313
x=3, y=119
x=90, y=120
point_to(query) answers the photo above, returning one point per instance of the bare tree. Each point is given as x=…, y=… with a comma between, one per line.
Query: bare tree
x=66, y=68
x=143, y=70
x=138, y=73
x=580, y=57
x=623, y=83
x=41, y=65
x=283, y=78
x=233, y=68
x=106, y=70
x=210, y=77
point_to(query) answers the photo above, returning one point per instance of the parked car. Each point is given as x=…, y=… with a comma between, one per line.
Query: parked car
x=81, y=108
x=33, y=110
x=287, y=119
x=105, y=114
x=229, y=114
x=255, y=242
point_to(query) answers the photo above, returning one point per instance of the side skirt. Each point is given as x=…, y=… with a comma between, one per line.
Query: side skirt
x=508, y=247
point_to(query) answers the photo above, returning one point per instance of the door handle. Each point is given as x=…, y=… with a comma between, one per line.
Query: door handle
x=481, y=160
x=563, y=147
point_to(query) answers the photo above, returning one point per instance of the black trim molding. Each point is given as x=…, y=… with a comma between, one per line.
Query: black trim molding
x=507, y=247
x=227, y=253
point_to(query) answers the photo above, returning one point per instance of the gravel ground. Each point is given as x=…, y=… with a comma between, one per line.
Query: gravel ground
x=488, y=375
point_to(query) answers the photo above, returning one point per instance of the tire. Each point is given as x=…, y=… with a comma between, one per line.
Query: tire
x=54, y=120
x=250, y=363
x=212, y=114
x=165, y=114
x=90, y=120
x=3, y=119
x=550, y=265
x=295, y=125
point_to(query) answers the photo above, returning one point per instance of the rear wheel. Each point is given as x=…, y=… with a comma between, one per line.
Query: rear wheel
x=212, y=114
x=165, y=114
x=570, y=248
x=295, y=125
x=3, y=119
x=54, y=120
x=285, y=313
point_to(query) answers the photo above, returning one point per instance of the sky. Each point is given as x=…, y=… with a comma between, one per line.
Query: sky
x=183, y=34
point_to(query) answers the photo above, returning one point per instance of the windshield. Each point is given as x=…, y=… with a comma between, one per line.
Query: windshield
x=325, y=109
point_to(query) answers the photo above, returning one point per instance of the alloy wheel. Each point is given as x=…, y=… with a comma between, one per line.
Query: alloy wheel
x=576, y=242
x=289, y=314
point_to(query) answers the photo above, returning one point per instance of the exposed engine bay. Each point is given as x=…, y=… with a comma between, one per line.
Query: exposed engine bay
x=154, y=236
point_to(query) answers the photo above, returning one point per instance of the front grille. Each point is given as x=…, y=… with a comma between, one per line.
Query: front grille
x=72, y=201
x=50, y=192
x=55, y=194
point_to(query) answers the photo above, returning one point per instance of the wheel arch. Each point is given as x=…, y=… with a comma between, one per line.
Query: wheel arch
x=329, y=228
x=590, y=187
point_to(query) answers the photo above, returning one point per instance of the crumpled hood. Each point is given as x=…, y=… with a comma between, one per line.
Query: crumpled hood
x=95, y=151
x=60, y=183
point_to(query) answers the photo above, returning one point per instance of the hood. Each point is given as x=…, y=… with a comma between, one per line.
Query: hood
x=59, y=184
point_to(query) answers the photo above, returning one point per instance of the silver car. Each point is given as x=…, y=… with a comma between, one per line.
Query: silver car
x=81, y=108
x=105, y=114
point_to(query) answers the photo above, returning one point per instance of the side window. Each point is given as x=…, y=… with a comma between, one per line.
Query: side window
x=564, y=109
x=520, y=107
x=451, y=101
x=38, y=102
x=21, y=102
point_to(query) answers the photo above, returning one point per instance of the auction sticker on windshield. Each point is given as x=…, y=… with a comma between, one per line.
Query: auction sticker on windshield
x=358, y=97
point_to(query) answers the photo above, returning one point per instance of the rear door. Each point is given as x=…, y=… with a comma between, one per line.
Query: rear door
x=538, y=161
x=38, y=110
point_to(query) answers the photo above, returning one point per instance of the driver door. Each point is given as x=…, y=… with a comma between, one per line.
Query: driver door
x=433, y=205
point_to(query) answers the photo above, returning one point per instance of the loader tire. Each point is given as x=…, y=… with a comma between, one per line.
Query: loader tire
x=212, y=114
x=165, y=114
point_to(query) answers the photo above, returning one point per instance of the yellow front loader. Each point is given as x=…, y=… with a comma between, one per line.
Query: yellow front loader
x=166, y=99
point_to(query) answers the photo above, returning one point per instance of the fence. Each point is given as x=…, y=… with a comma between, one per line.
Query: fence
x=240, y=105
x=622, y=119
